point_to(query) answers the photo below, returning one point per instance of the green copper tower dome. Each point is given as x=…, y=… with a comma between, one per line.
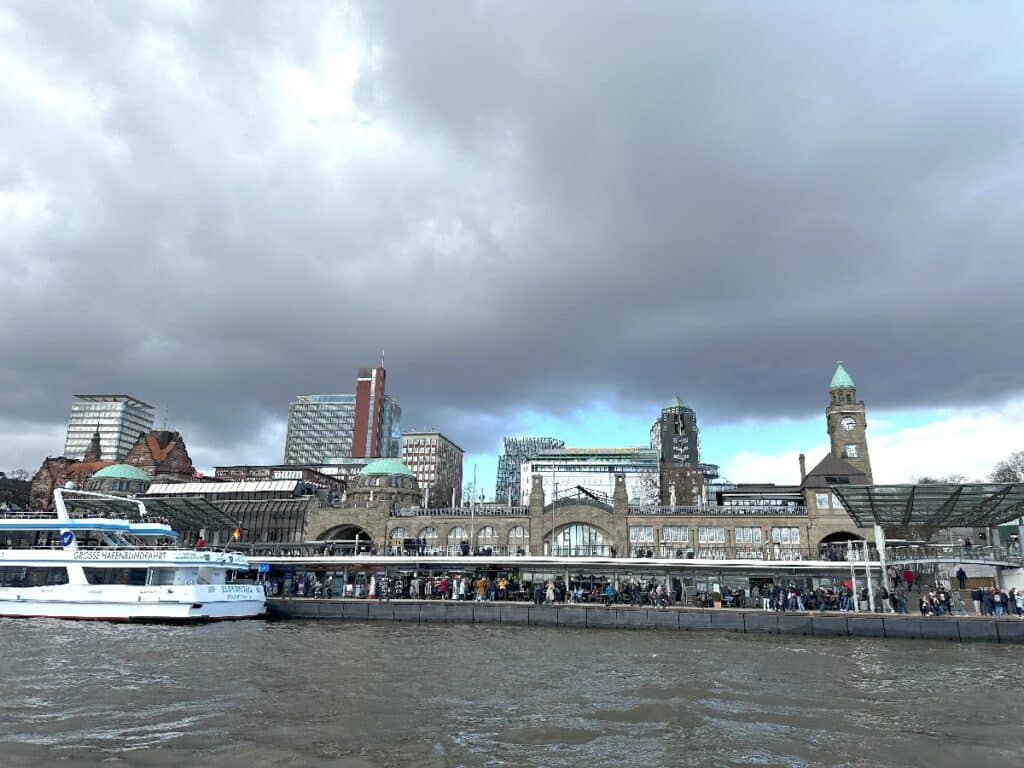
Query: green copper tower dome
x=841, y=379
x=386, y=467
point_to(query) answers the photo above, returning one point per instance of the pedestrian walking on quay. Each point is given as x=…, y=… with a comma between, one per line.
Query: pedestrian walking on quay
x=961, y=578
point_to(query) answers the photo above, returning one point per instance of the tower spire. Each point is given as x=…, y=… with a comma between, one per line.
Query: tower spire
x=94, y=452
x=841, y=379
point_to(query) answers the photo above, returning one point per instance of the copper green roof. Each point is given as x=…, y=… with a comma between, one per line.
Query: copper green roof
x=123, y=472
x=386, y=467
x=675, y=402
x=841, y=379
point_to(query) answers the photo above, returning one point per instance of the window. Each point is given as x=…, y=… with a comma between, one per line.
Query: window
x=429, y=535
x=487, y=537
x=785, y=535
x=396, y=534
x=747, y=536
x=17, y=576
x=675, y=534
x=821, y=500
x=457, y=535
x=642, y=534
x=517, y=536
x=136, y=577
x=711, y=535
x=851, y=450
x=580, y=540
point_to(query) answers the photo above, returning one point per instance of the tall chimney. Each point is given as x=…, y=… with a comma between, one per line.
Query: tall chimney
x=803, y=468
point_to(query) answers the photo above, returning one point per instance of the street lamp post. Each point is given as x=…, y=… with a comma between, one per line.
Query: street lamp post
x=554, y=500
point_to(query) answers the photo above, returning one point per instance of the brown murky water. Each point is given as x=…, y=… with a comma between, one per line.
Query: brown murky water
x=362, y=695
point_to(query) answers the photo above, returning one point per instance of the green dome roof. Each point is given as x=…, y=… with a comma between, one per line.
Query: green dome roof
x=386, y=467
x=123, y=472
x=841, y=379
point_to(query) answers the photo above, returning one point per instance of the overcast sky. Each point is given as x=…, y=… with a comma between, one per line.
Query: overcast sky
x=539, y=211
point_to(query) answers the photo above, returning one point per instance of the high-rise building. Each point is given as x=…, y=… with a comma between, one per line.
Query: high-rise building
x=319, y=429
x=517, y=451
x=675, y=436
x=377, y=430
x=437, y=463
x=329, y=429
x=119, y=420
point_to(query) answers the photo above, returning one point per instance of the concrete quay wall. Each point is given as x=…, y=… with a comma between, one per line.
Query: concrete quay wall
x=954, y=629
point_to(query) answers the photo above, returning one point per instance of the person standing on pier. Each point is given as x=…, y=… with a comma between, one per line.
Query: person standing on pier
x=961, y=578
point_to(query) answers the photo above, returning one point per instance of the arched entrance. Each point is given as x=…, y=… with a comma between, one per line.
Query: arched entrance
x=836, y=545
x=578, y=540
x=348, y=539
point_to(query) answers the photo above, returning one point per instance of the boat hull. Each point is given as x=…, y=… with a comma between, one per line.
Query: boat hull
x=134, y=604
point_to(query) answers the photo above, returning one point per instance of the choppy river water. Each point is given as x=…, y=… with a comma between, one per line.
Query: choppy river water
x=367, y=695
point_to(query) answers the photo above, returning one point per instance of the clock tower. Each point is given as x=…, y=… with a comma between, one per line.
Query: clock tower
x=846, y=422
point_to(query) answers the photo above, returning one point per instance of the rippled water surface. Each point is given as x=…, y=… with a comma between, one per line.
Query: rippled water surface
x=360, y=695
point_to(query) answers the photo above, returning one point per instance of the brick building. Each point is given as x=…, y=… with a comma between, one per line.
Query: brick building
x=163, y=455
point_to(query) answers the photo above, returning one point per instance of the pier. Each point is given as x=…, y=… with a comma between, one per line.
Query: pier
x=673, y=619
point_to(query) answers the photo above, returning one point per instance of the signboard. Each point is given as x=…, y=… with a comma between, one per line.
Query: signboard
x=67, y=539
x=264, y=567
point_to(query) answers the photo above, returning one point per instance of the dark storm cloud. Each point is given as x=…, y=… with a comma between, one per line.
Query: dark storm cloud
x=528, y=206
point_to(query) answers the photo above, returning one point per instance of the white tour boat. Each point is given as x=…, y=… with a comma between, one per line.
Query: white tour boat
x=112, y=569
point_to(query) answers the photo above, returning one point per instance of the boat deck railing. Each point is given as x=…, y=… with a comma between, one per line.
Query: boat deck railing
x=128, y=548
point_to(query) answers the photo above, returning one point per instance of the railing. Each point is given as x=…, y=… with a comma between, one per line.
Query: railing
x=952, y=552
x=461, y=512
x=719, y=511
x=348, y=548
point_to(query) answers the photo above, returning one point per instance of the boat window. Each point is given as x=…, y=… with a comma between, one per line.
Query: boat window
x=162, y=577
x=135, y=577
x=18, y=576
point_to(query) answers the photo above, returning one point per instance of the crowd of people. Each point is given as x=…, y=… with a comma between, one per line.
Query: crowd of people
x=989, y=601
x=769, y=596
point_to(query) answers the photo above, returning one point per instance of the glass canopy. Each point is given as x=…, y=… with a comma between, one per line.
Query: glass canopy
x=967, y=505
x=183, y=513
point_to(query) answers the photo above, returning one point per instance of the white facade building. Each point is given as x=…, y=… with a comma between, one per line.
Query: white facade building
x=593, y=469
x=120, y=420
x=437, y=464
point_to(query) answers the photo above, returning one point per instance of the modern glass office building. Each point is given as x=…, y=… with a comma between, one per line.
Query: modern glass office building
x=120, y=420
x=517, y=451
x=319, y=429
x=331, y=429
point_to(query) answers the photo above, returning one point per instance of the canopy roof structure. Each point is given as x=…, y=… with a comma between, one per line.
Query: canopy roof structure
x=942, y=505
x=183, y=513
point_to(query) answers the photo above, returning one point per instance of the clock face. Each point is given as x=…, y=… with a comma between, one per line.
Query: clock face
x=848, y=423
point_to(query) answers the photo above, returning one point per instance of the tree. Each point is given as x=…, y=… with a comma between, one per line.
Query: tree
x=650, y=489
x=1010, y=470
x=947, y=480
x=19, y=474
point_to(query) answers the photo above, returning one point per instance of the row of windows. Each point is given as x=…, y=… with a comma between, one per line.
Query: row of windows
x=18, y=576
x=826, y=500
x=752, y=536
x=485, y=536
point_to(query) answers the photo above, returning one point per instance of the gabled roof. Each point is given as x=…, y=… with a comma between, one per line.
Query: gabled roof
x=833, y=466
